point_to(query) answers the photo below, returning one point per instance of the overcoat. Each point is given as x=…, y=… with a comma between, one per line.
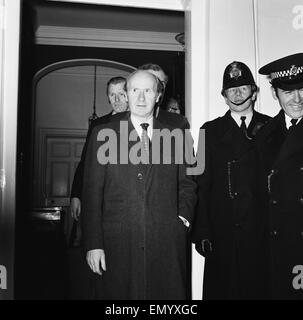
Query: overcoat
x=227, y=212
x=171, y=119
x=281, y=155
x=131, y=211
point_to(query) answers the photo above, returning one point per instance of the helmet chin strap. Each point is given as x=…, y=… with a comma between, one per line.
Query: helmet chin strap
x=238, y=104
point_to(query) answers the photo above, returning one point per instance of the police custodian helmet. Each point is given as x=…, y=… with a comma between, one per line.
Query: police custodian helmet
x=237, y=74
x=285, y=73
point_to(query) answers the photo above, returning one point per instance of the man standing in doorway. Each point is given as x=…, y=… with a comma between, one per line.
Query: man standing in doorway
x=135, y=216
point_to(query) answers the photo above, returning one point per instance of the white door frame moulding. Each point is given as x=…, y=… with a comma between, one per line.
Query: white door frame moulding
x=107, y=38
x=176, y=5
x=9, y=61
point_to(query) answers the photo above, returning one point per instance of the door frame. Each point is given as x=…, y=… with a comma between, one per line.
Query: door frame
x=197, y=73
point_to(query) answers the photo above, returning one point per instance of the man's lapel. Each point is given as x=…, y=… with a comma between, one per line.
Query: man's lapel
x=255, y=125
x=292, y=144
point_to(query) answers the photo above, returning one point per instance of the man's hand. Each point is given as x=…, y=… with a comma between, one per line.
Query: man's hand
x=75, y=206
x=96, y=258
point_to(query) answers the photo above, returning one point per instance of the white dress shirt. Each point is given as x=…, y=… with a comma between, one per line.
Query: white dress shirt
x=288, y=121
x=136, y=121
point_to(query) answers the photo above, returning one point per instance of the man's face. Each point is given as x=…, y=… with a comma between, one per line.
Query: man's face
x=173, y=106
x=238, y=95
x=142, y=94
x=290, y=101
x=117, y=97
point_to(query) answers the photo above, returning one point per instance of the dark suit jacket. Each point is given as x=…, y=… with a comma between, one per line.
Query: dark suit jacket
x=281, y=156
x=131, y=211
x=227, y=211
x=174, y=120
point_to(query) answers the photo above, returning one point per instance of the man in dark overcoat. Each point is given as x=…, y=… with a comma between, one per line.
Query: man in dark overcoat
x=136, y=215
x=281, y=152
x=228, y=229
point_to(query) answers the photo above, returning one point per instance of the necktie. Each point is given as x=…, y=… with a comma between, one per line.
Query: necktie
x=244, y=128
x=243, y=125
x=144, y=136
x=293, y=123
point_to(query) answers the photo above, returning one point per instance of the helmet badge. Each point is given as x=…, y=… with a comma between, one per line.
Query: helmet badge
x=235, y=71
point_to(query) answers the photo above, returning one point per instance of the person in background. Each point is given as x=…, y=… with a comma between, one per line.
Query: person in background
x=173, y=106
x=163, y=115
x=115, y=90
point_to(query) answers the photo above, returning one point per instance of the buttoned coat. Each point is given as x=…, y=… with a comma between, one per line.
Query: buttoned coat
x=281, y=154
x=131, y=211
x=227, y=212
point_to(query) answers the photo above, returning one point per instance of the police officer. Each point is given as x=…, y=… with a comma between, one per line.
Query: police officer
x=228, y=231
x=281, y=151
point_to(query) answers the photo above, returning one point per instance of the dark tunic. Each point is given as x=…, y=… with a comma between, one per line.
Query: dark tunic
x=228, y=214
x=281, y=153
x=131, y=211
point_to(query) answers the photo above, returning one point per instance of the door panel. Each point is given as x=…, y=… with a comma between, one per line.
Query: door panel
x=63, y=154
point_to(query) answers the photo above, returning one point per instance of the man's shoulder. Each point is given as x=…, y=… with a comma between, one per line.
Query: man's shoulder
x=173, y=119
x=112, y=122
x=270, y=127
x=215, y=123
x=261, y=117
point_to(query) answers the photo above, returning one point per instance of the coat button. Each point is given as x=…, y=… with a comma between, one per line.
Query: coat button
x=140, y=176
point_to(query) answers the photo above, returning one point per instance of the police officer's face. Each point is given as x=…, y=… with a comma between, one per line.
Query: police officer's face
x=234, y=98
x=290, y=101
x=142, y=94
x=117, y=97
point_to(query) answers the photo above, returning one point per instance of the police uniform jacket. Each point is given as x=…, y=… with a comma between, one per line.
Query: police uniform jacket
x=281, y=154
x=227, y=213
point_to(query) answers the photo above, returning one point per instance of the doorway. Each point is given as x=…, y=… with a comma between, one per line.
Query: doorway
x=50, y=140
